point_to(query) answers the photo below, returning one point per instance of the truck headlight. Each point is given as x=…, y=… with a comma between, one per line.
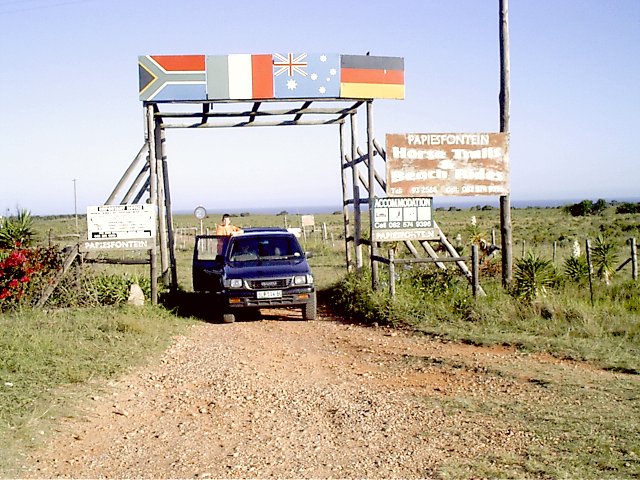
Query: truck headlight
x=233, y=283
x=302, y=280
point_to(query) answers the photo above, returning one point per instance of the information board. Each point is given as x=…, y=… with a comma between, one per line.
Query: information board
x=442, y=164
x=408, y=218
x=121, y=222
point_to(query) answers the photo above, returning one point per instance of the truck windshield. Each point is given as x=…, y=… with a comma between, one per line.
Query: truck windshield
x=264, y=247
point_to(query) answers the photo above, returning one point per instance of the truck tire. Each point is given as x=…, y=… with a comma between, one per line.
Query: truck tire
x=228, y=318
x=310, y=309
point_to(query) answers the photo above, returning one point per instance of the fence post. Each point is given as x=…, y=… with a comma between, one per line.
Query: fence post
x=392, y=274
x=524, y=243
x=475, y=284
x=555, y=248
x=634, y=259
x=588, y=253
x=324, y=232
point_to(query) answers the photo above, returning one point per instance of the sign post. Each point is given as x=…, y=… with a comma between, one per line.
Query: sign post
x=200, y=213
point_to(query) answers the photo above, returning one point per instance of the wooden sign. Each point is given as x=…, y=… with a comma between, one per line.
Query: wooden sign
x=447, y=164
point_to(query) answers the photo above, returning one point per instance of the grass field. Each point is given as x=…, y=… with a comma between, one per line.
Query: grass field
x=47, y=356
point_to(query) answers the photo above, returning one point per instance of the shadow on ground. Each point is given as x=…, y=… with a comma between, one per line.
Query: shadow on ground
x=203, y=307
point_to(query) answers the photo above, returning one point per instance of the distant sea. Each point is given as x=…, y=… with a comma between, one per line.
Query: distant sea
x=463, y=203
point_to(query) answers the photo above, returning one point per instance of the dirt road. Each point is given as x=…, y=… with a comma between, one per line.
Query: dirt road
x=280, y=397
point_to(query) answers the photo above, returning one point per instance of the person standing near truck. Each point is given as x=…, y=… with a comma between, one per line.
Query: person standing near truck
x=225, y=228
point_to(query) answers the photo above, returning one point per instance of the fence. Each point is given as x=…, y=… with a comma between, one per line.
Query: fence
x=543, y=249
x=392, y=262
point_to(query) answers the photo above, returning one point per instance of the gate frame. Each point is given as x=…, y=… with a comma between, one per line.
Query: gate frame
x=153, y=176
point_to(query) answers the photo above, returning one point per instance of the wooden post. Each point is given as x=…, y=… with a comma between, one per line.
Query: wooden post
x=634, y=259
x=392, y=273
x=357, y=234
x=141, y=179
x=162, y=223
x=153, y=186
x=475, y=275
x=167, y=199
x=129, y=171
x=372, y=194
x=588, y=253
x=524, y=247
x=505, y=200
x=555, y=248
x=345, y=207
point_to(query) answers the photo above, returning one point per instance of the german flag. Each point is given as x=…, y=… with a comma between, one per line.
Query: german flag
x=364, y=76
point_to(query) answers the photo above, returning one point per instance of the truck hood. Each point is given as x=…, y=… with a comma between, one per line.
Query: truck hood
x=266, y=269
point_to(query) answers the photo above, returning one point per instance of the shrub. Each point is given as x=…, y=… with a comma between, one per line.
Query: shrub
x=576, y=269
x=628, y=207
x=354, y=298
x=586, y=207
x=16, y=230
x=603, y=253
x=24, y=272
x=114, y=289
x=532, y=276
x=435, y=282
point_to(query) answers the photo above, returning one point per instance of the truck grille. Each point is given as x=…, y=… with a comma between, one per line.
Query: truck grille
x=269, y=283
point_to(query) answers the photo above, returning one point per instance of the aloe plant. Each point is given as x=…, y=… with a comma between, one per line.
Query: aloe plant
x=532, y=275
x=17, y=230
x=604, y=257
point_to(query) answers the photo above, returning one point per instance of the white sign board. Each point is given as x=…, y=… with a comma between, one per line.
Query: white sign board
x=121, y=222
x=403, y=219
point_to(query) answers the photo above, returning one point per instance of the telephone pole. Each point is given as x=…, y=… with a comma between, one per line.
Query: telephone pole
x=75, y=204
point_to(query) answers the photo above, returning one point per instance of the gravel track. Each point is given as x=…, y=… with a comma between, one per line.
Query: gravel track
x=280, y=397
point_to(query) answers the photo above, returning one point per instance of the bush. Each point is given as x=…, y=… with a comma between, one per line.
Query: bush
x=586, y=207
x=603, y=253
x=532, y=276
x=16, y=231
x=576, y=269
x=628, y=207
x=24, y=273
x=354, y=298
x=114, y=289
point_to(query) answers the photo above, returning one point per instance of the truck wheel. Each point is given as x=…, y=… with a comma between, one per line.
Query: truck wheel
x=228, y=318
x=310, y=309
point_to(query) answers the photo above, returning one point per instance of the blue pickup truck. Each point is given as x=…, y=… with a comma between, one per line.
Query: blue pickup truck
x=259, y=268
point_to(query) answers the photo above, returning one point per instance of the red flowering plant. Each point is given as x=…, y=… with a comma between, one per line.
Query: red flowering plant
x=24, y=272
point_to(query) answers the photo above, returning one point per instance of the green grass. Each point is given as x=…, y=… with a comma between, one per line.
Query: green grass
x=579, y=428
x=40, y=352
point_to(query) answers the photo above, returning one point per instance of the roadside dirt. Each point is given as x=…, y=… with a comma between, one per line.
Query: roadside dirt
x=280, y=397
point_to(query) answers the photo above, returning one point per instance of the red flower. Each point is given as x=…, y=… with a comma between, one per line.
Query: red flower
x=13, y=283
x=24, y=279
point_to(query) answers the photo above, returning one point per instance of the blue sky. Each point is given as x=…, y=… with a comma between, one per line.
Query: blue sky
x=69, y=104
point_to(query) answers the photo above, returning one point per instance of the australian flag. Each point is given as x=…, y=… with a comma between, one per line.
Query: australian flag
x=306, y=75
